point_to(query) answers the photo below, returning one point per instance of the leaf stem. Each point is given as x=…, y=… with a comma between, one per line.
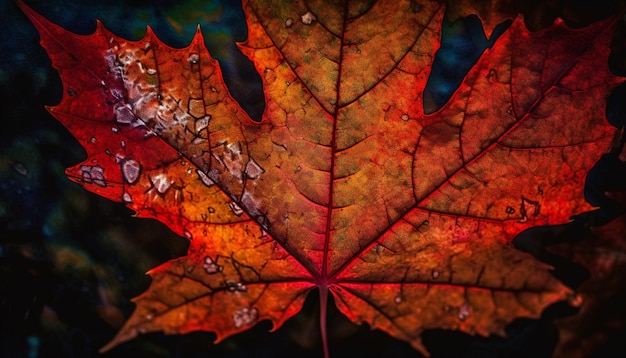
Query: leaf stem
x=323, y=314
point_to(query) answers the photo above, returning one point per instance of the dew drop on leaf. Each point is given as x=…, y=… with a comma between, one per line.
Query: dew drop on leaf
x=308, y=18
x=131, y=170
x=464, y=311
x=93, y=174
x=236, y=286
x=244, y=316
x=235, y=208
x=210, y=266
x=205, y=179
x=253, y=169
x=193, y=58
x=161, y=183
x=202, y=123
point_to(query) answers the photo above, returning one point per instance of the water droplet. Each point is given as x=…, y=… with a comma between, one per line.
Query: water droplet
x=93, y=174
x=510, y=210
x=205, y=178
x=492, y=76
x=464, y=311
x=211, y=210
x=288, y=22
x=114, y=129
x=234, y=148
x=188, y=234
x=161, y=183
x=149, y=317
x=308, y=18
x=151, y=71
x=127, y=198
x=435, y=274
x=298, y=168
x=202, y=123
x=123, y=143
x=123, y=115
x=244, y=316
x=405, y=117
x=397, y=299
x=131, y=170
x=92, y=140
x=235, y=208
x=509, y=110
x=193, y=58
x=236, y=286
x=210, y=266
x=288, y=83
x=213, y=89
x=253, y=169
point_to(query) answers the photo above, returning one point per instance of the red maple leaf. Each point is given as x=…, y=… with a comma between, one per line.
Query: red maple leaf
x=346, y=185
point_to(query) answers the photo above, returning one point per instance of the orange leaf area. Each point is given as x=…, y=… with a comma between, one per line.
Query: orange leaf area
x=346, y=185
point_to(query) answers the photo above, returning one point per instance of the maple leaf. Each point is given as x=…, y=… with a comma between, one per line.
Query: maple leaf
x=346, y=185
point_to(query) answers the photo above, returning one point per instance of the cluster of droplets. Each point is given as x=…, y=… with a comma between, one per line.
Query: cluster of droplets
x=236, y=286
x=93, y=175
x=211, y=266
x=464, y=311
x=244, y=316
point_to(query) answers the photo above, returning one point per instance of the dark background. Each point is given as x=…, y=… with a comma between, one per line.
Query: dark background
x=70, y=262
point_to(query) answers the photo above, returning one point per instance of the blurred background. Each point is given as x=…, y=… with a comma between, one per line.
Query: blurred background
x=70, y=262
